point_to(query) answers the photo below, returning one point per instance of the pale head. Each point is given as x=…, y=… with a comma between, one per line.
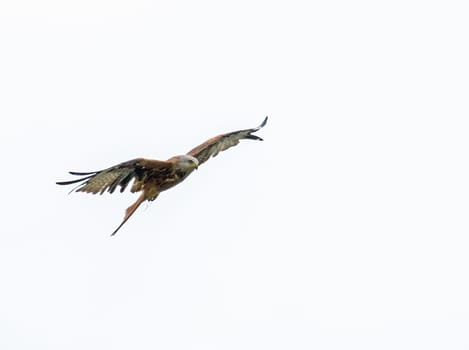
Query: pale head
x=185, y=162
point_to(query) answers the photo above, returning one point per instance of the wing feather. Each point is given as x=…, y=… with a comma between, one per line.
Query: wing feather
x=122, y=174
x=217, y=144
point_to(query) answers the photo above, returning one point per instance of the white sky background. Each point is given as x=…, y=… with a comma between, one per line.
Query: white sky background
x=347, y=228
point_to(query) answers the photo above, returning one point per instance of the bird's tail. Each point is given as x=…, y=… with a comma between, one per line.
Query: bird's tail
x=130, y=210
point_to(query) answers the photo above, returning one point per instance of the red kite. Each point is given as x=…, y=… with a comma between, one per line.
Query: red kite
x=154, y=176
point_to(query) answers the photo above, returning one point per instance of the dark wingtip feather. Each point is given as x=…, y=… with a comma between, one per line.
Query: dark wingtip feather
x=81, y=173
x=70, y=182
x=254, y=137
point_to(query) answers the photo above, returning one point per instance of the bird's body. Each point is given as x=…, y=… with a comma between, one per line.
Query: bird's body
x=151, y=177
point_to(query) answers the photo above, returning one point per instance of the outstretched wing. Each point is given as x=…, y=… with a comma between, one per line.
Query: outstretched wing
x=121, y=175
x=142, y=171
x=217, y=144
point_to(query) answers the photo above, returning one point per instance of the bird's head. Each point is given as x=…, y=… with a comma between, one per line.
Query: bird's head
x=186, y=162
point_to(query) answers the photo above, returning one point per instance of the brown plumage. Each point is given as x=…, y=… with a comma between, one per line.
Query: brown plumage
x=151, y=177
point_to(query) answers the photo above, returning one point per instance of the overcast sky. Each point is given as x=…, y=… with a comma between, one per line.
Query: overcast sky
x=347, y=228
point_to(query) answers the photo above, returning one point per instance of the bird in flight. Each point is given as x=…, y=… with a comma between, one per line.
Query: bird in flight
x=151, y=177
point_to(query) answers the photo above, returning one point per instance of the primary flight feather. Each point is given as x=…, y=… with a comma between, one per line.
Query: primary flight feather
x=151, y=177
